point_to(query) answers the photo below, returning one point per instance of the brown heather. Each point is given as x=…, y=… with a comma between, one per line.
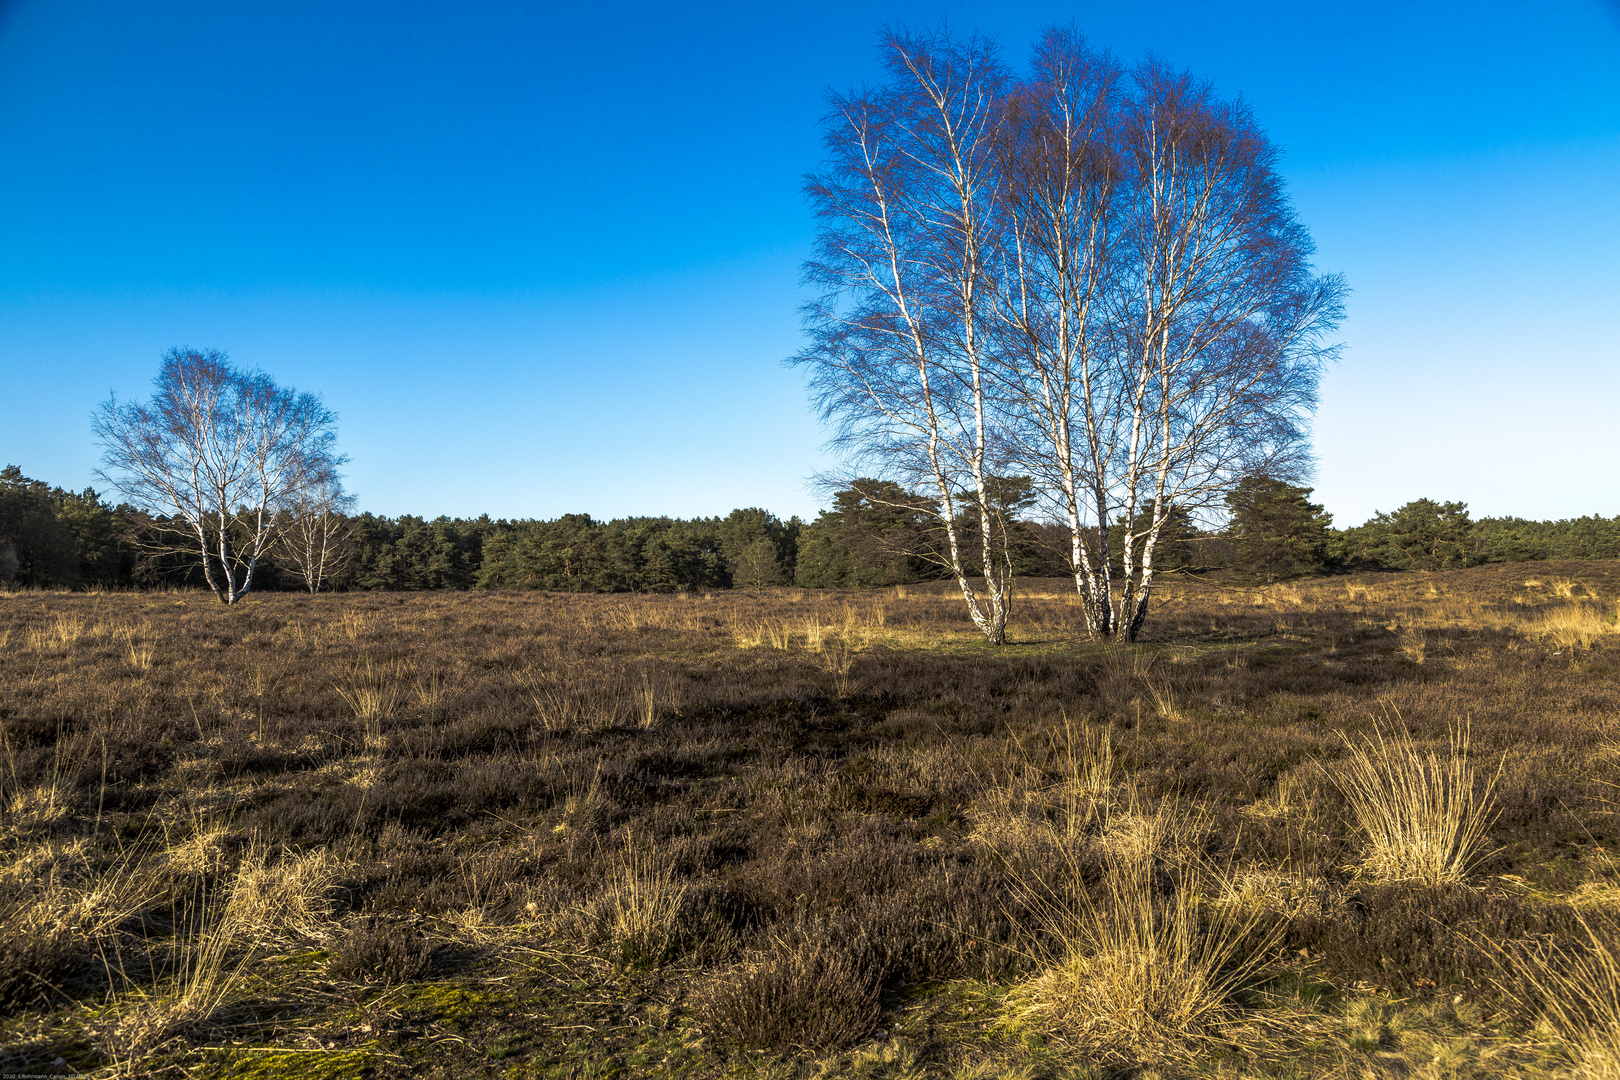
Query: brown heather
x=1342, y=827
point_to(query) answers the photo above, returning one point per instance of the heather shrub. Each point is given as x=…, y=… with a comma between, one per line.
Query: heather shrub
x=805, y=987
x=382, y=950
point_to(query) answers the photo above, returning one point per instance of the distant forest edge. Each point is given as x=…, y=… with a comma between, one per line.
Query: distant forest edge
x=54, y=538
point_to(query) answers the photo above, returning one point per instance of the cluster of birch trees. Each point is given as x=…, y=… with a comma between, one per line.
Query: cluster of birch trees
x=1088, y=275
x=230, y=466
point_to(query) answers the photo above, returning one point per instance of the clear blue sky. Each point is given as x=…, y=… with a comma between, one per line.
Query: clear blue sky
x=544, y=258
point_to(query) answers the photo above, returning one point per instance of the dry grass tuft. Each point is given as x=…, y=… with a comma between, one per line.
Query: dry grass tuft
x=56, y=905
x=1146, y=973
x=429, y=693
x=62, y=634
x=40, y=806
x=1571, y=625
x=138, y=654
x=568, y=700
x=371, y=703
x=1424, y=812
x=1087, y=754
x=837, y=661
x=1293, y=796
x=293, y=896
x=1577, y=990
x=1030, y=815
x=639, y=911
x=204, y=852
x=189, y=987
x=1414, y=644
x=140, y=1021
x=646, y=703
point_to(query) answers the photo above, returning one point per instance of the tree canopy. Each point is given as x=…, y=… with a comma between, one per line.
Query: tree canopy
x=1276, y=531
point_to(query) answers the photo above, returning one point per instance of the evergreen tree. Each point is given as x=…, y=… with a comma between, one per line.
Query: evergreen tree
x=1517, y=540
x=1422, y=535
x=59, y=539
x=1276, y=532
x=876, y=534
x=758, y=548
x=36, y=548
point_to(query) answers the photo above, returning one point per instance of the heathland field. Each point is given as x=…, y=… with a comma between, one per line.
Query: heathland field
x=1355, y=826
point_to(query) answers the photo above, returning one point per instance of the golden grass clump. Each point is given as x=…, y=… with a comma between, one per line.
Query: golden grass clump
x=203, y=852
x=1086, y=754
x=138, y=654
x=40, y=806
x=62, y=633
x=59, y=887
x=568, y=700
x=1424, y=813
x=204, y=961
x=1571, y=625
x=59, y=905
x=1576, y=989
x=1414, y=644
x=370, y=703
x=1143, y=974
x=1026, y=818
x=1292, y=796
x=139, y=1021
x=291, y=896
x=358, y=624
x=837, y=661
x=640, y=909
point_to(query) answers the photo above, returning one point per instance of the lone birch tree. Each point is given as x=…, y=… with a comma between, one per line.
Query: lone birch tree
x=218, y=455
x=900, y=339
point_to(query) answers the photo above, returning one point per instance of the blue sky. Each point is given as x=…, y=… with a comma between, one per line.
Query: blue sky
x=544, y=258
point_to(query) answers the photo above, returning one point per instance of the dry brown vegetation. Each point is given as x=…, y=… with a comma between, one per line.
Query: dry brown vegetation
x=1345, y=827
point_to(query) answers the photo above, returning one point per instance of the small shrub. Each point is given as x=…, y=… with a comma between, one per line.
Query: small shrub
x=1415, y=939
x=382, y=950
x=801, y=991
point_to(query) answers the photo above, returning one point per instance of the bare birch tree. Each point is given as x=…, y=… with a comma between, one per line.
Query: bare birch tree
x=218, y=454
x=1163, y=328
x=1219, y=325
x=1092, y=278
x=899, y=354
x=1062, y=408
x=317, y=538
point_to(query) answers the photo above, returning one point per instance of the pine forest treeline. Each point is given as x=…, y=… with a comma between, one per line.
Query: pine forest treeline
x=54, y=538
